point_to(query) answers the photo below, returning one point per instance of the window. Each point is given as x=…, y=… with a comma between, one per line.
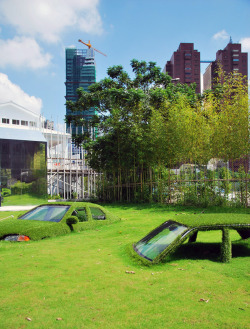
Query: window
x=46, y=213
x=81, y=214
x=24, y=123
x=97, y=213
x=159, y=239
x=4, y=120
x=235, y=59
x=32, y=124
x=15, y=122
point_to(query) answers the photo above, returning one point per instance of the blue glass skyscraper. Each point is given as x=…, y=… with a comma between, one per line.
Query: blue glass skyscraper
x=80, y=72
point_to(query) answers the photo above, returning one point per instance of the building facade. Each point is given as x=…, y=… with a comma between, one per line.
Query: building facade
x=184, y=65
x=39, y=158
x=80, y=73
x=23, y=151
x=231, y=59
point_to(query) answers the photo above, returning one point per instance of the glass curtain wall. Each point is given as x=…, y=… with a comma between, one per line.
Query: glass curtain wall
x=23, y=168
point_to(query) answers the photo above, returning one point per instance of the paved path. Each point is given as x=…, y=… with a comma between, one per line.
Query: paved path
x=16, y=208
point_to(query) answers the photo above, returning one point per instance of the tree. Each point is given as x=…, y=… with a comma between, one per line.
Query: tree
x=230, y=116
x=124, y=108
x=127, y=110
x=147, y=124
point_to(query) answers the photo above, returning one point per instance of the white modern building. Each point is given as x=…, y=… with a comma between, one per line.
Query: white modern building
x=24, y=130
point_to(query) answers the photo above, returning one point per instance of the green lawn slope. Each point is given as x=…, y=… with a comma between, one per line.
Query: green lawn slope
x=88, y=280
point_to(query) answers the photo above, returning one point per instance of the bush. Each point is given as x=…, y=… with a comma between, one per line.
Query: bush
x=6, y=192
x=21, y=188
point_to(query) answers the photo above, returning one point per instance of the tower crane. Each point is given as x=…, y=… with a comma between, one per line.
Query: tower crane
x=90, y=46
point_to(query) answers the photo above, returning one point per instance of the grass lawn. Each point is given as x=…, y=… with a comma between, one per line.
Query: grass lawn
x=80, y=281
x=23, y=200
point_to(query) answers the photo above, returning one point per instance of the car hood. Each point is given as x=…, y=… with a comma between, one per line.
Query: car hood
x=34, y=229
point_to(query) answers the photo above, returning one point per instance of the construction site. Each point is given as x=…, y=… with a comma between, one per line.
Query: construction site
x=68, y=174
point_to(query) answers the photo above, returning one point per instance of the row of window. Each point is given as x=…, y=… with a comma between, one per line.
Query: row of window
x=17, y=122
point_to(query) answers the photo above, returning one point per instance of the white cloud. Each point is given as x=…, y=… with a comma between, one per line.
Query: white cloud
x=11, y=92
x=24, y=53
x=221, y=35
x=48, y=19
x=245, y=42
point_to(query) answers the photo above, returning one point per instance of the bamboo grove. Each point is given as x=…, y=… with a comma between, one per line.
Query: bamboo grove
x=148, y=125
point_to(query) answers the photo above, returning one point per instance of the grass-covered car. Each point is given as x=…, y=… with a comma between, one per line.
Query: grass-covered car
x=48, y=220
x=163, y=240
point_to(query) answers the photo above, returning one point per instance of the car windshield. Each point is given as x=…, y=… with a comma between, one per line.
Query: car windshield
x=47, y=213
x=159, y=239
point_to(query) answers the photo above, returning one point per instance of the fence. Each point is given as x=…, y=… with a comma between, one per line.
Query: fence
x=188, y=185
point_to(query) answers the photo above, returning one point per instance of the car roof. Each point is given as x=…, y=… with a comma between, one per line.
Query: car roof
x=75, y=204
x=213, y=220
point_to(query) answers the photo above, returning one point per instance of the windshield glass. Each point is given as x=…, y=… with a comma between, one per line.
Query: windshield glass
x=159, y=239
x=47, y=213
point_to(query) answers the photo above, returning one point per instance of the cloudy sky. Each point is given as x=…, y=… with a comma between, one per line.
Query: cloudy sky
x=35, y=33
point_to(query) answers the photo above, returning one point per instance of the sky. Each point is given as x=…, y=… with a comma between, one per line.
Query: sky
x=35, y=33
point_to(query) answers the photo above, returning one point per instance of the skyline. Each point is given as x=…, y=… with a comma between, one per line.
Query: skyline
x=33, y=38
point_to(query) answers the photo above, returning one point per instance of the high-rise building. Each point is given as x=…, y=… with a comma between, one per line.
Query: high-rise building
x=231, y=59
x=209, y=76
x=80, y=72
x=184, y=65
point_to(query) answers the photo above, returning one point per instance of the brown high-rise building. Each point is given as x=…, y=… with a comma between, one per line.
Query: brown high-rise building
x=231, y=59
x=184, y=65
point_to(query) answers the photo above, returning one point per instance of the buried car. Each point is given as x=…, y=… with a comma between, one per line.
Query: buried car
x=48, y=220
x=164, y=240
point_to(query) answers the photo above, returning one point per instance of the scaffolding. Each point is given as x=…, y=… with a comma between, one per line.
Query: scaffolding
x=68, y=174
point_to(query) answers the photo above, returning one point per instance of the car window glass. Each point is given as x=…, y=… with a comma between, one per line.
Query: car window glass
x=97, y=213
x=159, y=239
x=81, y=214
x=47, y=213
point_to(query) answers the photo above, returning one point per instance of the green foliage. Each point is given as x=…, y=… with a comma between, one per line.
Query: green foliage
x=77, y=268
x=21, y=188
x=147, y=123
x=125, y=109
x=24, y=199
x=74, y=195
x=72, y=220
x=228, y=106
x=6, y=192
x=202, y=223
x=226, y=246
x=38, y=230
x=225, y=174
x=39, y=186
x=54, y=197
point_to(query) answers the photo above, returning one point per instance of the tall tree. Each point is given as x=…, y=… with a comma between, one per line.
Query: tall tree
x=230, y=116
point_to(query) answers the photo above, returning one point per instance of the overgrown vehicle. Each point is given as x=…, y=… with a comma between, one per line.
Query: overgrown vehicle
x=166, y=238
x=49, y=220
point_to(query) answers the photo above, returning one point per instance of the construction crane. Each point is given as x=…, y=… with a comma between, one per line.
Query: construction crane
x=90, y=46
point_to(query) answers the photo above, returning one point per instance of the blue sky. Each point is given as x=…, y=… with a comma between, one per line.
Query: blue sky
x=35, y=33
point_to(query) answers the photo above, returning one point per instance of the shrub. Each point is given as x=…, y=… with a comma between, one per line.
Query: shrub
x=226, y=246
x=21, y=188
x=6, y=192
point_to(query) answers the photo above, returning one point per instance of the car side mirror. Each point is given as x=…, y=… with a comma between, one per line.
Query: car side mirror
x=72, y=220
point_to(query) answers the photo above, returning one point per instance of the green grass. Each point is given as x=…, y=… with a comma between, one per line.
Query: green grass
x=81, y=278
x=23, y=200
